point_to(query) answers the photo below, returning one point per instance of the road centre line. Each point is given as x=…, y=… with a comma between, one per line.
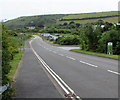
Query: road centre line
x=113, y=72
x=71, y=58
x=61, y=54
x=88, y=64
x=54, y=52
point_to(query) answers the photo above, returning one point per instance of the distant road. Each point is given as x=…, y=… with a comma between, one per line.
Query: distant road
x=89, y=76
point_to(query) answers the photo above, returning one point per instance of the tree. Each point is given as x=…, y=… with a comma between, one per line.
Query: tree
x=9, y=49
x=71, y=40
x=99, y=22
x=107, y=26
x=65, y=24
x=6, y=55
x=77, y=25
x=96, y=37
x=72, y=22
x=110, y=36
x=89, y=37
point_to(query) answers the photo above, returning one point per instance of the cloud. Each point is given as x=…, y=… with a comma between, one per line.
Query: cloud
x=15, y=8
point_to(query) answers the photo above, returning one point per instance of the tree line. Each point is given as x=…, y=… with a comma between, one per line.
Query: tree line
x=11, y=42
x=91, y=36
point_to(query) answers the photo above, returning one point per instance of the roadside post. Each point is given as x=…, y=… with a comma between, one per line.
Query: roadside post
x=110, y=48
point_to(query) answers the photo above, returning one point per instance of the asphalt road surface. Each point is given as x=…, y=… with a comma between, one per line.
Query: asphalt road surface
x=89, y=76
x=31, y=80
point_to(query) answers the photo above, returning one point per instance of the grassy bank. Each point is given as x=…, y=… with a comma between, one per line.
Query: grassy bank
x=95, y=53
x=14, y=64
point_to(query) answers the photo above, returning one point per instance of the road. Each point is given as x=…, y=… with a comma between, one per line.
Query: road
x=31, y=80
x=89, y=76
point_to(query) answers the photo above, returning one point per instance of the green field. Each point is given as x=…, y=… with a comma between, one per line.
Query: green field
x=112, y=20
x=86, y=15
x=90, y=15
x=49, y=20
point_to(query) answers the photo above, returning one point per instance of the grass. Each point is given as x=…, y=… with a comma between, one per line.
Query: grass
x=86, y=15
x=95, y=53
x=14, y=64
x=112, y=20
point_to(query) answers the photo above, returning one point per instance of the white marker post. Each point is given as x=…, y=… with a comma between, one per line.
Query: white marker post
x=110, y=48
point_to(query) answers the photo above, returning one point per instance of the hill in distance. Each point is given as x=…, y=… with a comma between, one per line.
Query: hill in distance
x=38, y=20
x=48, y=20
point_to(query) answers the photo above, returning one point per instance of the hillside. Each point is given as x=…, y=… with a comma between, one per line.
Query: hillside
x=37, y=21
x=91, y=17
x=87, y=15
x=48, y=20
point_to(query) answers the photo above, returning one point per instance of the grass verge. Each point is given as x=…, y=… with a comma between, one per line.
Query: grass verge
x=14, y=64
x=95, y=53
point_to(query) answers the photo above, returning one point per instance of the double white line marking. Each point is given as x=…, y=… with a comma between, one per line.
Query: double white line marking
x=69, y=93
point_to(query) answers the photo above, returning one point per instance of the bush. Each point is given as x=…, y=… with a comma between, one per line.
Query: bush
x=110, y=36
x=68, y=41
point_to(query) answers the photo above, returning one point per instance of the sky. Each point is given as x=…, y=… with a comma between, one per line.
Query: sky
x=10, y=9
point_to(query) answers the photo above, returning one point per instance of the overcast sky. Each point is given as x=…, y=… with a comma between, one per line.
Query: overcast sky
x=15, y=8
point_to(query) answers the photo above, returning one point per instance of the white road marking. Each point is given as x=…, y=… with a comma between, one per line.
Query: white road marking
x=46, y=67
x=61, y=54
x=113, y=72
x=88, y=64
x=54, y=52
x=71, y=58
x=58, y=79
